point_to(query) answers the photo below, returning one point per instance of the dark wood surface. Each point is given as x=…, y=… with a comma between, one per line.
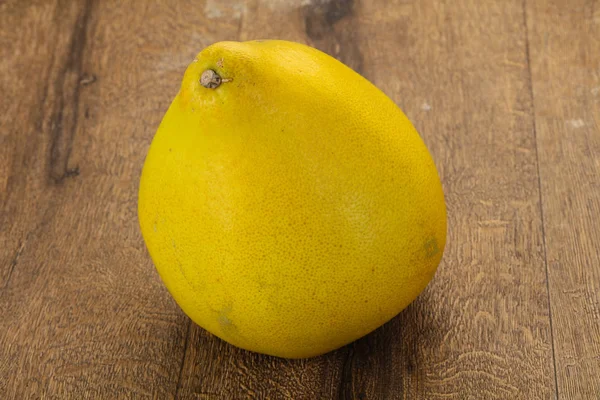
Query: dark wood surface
x=506, y=95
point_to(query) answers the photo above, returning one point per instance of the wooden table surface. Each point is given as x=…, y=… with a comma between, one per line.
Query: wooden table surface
x=506, y=95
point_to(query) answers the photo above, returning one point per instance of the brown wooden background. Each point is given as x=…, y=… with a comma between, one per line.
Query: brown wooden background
x=505, y=93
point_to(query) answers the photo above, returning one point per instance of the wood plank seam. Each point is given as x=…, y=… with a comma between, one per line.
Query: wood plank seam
x=15, y=259
x=537, y=160
x=345, y=387
x=185, y=353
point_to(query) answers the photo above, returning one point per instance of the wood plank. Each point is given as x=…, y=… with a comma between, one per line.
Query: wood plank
x=481, y=330
x=83, y=312
x=27, y=62
x=565, y=63
x=33, y=83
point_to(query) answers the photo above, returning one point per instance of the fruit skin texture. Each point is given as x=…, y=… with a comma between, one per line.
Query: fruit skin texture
x=293, y=209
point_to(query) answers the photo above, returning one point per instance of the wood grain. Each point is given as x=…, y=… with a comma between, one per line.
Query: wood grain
x=506, y=96
x=565, y=64
x=83, y=315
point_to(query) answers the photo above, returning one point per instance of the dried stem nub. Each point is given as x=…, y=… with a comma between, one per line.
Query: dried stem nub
x=210, y=79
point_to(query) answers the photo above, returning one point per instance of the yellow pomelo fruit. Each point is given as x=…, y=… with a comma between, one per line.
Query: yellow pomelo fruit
x=292, y=208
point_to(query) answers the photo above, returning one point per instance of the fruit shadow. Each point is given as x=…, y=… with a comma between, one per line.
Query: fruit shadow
x=382, y=362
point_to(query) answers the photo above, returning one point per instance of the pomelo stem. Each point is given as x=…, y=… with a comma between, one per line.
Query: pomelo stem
x=211, y=80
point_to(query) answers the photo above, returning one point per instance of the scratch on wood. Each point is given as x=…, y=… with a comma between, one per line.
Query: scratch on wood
x=87, y=80
x=576, y=123
x=15, y=260
x=182, y=365
x=493, y=223
x=346, y=390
